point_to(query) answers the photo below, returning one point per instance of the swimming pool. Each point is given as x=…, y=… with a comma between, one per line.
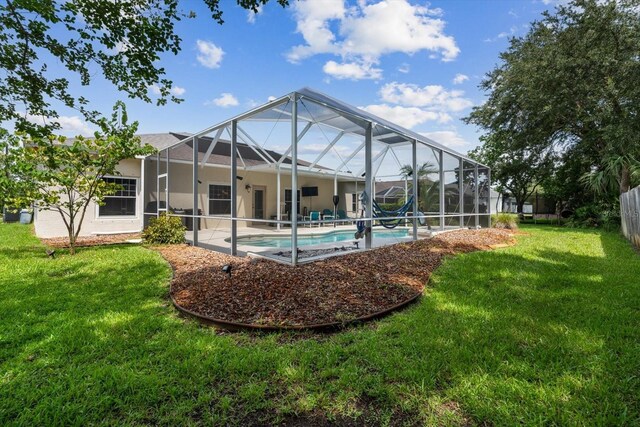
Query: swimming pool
x=317, y=239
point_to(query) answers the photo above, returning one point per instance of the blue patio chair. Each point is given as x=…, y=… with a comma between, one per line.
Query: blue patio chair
x=327, y=214
x=314, y=216
x=342, y=216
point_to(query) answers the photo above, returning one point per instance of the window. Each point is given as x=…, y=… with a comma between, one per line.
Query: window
x=123, y=202
x=219, y=199
x=287, y=201
x=354, y=202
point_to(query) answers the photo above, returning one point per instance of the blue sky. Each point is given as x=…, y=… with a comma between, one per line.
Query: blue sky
x=413, y=62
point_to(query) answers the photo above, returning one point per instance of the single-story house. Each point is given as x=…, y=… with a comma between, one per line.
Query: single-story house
x=331, y=152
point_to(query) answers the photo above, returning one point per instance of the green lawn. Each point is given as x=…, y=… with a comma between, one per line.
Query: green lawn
x=546, y=332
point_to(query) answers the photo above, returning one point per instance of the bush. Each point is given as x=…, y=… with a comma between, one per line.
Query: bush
x=390, y=206
x=602, y=215
x=505, y=220
x=164, y=230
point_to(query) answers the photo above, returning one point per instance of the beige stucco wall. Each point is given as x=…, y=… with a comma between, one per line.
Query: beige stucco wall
x=48, y=223
x=180, y=191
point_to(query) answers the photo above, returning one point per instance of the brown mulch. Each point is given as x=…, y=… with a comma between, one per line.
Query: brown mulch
x=106, y=239
x=335, y=290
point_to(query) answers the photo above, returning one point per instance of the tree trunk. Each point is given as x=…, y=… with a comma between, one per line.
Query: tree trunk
x=520, y=207
x=625, y=179
x=72, y=240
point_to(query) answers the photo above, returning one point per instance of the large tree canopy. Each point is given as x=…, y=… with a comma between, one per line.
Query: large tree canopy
x=124, y=38
x=572, y=80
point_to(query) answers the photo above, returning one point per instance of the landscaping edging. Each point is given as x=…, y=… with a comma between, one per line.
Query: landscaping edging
x=234, y=326
x=326, y=295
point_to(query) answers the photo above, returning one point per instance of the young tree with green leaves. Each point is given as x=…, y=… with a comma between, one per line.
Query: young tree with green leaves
x=65, y=176
x=517, y=167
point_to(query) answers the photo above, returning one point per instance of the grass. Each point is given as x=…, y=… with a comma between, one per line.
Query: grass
x=546, y=332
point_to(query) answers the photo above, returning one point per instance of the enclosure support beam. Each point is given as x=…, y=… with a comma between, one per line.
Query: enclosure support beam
x=326, y=150
x=286, y=153
x=143, y=190
x=158, y=184
x=351, y=156
x=255, y=144
x=211, y=146
x=461, y=191
x=195, y=192
x=476, y=195
x=368, y=186
x=166, y=182
x=442, y=224
x=294, y=180
x=382, y=153
x=234, y=188
x=278, y=197
x=414, y=166
x=489, y=196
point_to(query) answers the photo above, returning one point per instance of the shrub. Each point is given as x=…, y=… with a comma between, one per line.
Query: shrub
x=390, y=206
x=594, y=215
x=164, y=230
x=505, y=220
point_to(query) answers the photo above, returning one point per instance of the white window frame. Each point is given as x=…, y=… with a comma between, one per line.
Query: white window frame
x=137, y=197
x=285, y=200
x=355, y=197
x=209, y=184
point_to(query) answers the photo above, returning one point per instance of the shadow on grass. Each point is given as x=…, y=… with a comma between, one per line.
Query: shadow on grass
x=542, y=331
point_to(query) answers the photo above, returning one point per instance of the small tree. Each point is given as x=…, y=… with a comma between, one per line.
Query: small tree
x=427, y=195
x=67, y=175
x=516, y=166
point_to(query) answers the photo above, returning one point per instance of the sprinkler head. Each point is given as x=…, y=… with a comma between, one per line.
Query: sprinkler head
x=227, y=269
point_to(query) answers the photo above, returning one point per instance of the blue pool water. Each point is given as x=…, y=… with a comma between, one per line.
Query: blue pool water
x=317, y=239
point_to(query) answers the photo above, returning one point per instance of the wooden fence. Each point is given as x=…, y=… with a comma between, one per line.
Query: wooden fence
x=630, y=212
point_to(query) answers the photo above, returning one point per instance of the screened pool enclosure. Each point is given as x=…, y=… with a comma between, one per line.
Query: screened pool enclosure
x=306, y=165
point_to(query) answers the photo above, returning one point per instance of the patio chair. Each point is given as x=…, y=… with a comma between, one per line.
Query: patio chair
x=314, y=216
x=342, y=215
x=327, y=214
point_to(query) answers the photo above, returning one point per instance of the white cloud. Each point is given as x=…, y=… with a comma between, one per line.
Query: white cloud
x=364, y=32
x=408, y=117
x=460, y=78
x=224, y=100
x=512, y=31
x=271, y=98
x=251, y=15
x=69, y=125
x=352, y=70
x=175, y=90
x=74, y=125
x=210, y=55
x=430, y=96
x=447, y=138
x=404, y=68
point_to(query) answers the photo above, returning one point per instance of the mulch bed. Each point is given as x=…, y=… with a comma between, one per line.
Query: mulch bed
x=335, y=290
x=106, y=239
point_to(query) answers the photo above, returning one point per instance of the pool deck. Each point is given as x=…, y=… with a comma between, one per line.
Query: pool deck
x=217, y=239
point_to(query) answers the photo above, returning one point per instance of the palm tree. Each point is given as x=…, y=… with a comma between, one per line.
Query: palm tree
x=427, y=194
